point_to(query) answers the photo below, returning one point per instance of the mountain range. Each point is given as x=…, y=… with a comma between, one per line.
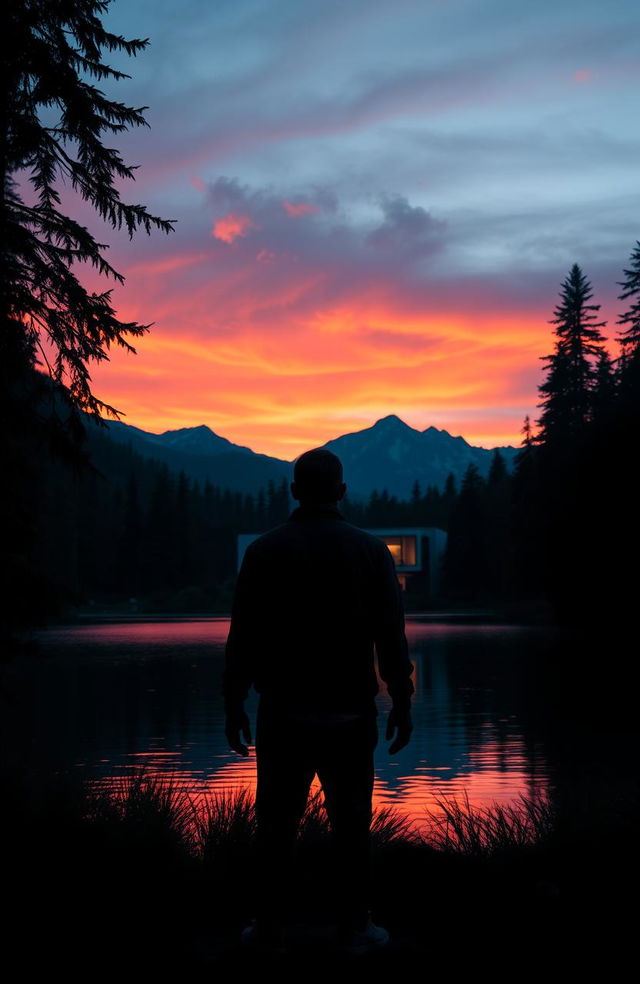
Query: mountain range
x=388, y=455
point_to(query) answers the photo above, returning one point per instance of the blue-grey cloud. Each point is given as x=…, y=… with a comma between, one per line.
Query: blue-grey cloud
x=407, y=229
x=438, y=141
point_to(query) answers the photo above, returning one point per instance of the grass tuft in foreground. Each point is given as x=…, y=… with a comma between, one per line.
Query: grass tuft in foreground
x=480, y=831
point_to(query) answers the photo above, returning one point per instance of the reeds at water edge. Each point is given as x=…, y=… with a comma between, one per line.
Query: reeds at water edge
x=211, y=822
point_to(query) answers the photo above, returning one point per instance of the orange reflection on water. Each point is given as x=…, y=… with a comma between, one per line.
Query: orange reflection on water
x=502, y=776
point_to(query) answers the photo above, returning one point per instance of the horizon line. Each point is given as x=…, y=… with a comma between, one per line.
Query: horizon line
x=441, y=430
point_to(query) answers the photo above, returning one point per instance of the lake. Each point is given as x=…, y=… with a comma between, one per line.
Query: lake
x=101, y=699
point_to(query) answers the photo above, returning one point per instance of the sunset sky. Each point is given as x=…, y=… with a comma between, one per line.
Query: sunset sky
x=377, y=202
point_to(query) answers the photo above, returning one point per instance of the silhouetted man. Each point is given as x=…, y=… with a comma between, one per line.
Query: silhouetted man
x=313, y=598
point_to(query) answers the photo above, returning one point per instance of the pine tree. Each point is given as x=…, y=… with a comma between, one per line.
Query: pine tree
x=498, y=516
x=184, y=530
x=160, y=533
x=54, y=121
x=129, y=541
x=629, y=337
x=465, y=563
x=272, y=503
x=556, y=420
x=416, y=502
x=567, y=391
x=527, y=433
x=449, y=499
x=283, y=500
x=261, y=511
x=524, y=457
x=525, y=540
x=604, y=388
x=384, y=506
x=373, y=508
x=498, y=470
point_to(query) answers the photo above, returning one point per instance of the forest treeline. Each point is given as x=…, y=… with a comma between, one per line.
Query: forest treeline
x=561, y=528
x=137, y=536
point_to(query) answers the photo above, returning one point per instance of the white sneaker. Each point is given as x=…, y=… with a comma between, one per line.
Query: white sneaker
x=362, y=941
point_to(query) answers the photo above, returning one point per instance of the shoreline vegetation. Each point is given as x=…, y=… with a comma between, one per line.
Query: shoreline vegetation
x=179, y=863
x=167, y=874
x=95, y=869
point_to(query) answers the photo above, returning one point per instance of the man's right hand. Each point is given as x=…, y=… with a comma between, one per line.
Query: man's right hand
x=401, y=722
x=236, y=721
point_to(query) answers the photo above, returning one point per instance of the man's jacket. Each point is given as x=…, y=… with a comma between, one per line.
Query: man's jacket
x=313, y=598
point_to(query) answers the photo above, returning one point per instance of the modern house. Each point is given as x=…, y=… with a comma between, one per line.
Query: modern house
x=416, y=550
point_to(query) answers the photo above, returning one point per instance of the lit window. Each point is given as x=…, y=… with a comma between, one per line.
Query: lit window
x=395, y=546
x=409, y=551
x=403, y=549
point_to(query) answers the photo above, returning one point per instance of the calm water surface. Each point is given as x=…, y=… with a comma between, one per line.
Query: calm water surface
x=103, y=699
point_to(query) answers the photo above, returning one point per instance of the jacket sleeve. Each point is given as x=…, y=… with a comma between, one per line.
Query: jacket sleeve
x=241, y=642
x=392, y=649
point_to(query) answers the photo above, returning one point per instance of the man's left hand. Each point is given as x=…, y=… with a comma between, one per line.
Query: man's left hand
x=398, y=723
x=237, y=721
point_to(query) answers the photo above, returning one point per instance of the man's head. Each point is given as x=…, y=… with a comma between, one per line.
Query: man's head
x=317, y=477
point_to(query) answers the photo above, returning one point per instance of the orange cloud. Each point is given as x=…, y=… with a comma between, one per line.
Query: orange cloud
x=232, y=226
x=283, y=387
x=283, y=356
x=297, y=209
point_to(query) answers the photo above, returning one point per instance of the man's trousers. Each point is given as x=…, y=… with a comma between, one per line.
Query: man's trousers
x=292, y=747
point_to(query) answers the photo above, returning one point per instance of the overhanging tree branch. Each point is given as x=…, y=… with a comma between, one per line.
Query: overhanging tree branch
x=52, y=49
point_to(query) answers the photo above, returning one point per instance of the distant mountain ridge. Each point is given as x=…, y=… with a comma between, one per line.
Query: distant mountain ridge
x=193, y=440
x=388, y=455
x=392, y=455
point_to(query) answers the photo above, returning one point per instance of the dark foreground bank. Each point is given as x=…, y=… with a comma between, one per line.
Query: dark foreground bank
x=147, y=878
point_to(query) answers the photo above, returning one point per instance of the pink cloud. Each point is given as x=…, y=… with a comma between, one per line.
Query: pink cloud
x=232, y=226
x=582, y=75
x=166, y=264
x=297, y=209
x=311, y=329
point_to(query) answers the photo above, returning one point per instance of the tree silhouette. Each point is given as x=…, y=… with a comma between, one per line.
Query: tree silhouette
x=629, y=336
x=497, y=470
x=567, y=390
x=525, y=542
x=416, y=502
x=465, y=562
x=53, y=124
x=527, y=432
x=604, y=387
